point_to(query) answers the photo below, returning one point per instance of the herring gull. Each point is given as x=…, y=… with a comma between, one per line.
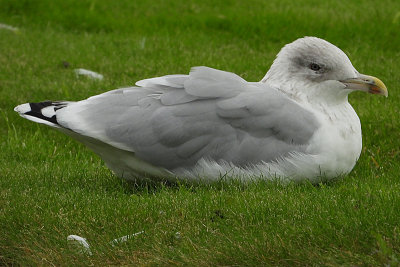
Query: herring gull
x=295, y=124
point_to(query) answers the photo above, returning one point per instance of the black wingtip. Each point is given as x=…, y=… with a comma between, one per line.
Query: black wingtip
x=43, y=111
x=36, y=111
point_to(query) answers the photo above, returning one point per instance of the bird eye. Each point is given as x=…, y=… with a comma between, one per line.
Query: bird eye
x=315, y=66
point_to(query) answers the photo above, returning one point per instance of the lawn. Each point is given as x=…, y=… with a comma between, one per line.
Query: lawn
x=52, y=187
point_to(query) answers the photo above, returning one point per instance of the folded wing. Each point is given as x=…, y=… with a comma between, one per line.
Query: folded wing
x=173, y=121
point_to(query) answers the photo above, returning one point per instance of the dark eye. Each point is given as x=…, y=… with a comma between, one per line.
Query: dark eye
x=315, y=66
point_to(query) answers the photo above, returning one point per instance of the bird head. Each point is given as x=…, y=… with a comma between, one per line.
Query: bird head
x=312, y=66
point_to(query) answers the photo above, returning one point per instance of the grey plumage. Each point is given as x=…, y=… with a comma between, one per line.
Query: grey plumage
x=296, y=123
x=176, y=120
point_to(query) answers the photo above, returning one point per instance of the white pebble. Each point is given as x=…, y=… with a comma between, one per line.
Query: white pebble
x=89, y=73
x=83, y=244
x=8, y=27
x=124, y=238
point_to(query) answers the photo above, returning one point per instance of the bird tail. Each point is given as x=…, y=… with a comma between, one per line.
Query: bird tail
x=42, y=112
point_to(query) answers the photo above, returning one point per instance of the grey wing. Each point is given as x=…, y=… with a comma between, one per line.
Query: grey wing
x=270, y=124
x=173, y=121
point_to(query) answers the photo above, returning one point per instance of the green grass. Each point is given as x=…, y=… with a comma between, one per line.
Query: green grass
x=51, y=186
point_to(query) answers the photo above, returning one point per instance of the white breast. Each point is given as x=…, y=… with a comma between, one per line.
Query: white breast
x=338, y=142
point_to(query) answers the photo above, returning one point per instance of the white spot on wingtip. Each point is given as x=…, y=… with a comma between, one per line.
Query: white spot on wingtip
x=48, y=111
x=23, y=108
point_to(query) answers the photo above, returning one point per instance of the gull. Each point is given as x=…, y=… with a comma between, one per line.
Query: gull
x=294, y=124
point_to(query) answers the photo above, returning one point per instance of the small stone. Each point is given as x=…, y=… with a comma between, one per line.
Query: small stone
x=65, y=64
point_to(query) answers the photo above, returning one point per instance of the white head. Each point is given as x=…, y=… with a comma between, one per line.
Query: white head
x=312, y=66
